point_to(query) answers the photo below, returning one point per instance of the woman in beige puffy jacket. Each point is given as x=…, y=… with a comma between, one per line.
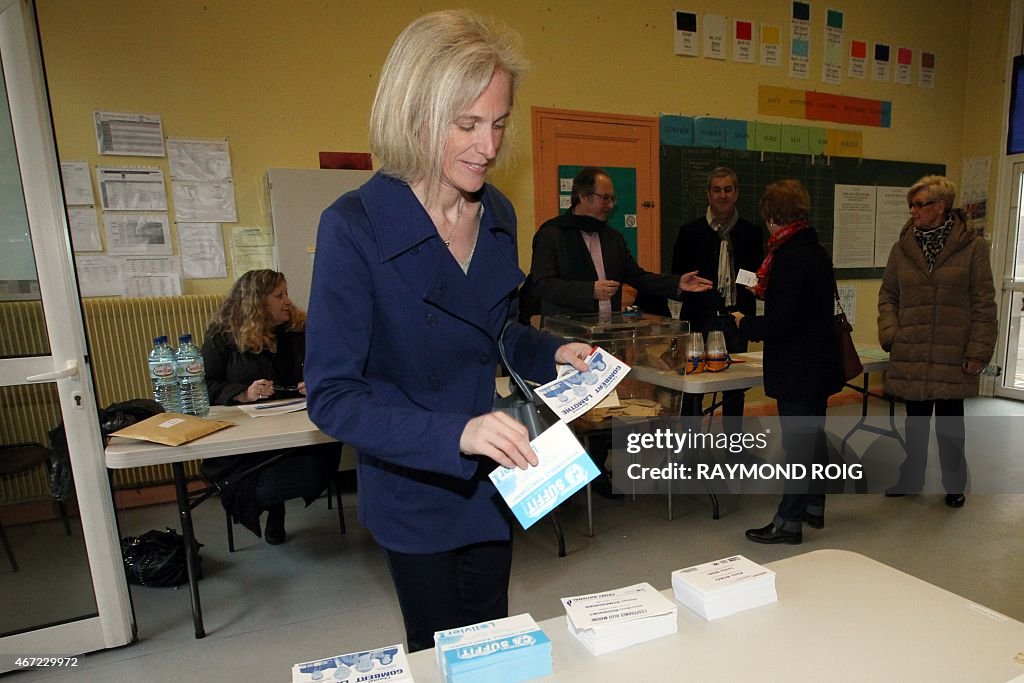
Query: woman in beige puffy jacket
x=937, y=319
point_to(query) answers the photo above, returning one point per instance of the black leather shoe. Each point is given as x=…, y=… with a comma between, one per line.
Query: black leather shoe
x=814, y=521
x=273, y=532
x=773, y=534
x=955, y=500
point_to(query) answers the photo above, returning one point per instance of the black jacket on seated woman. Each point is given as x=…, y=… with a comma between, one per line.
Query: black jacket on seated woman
x=254, y=351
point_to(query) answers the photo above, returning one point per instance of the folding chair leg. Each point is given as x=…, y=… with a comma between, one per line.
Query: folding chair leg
x=336, y=485
x=7, y=547
x=231, y=532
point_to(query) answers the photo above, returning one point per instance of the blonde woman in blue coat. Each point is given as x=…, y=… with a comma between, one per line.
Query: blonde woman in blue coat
x=416, y=275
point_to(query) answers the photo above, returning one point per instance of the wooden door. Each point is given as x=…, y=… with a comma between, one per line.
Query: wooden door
x=625, y=145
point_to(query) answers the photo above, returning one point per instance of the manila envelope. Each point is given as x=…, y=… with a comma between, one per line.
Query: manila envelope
x=171, y=429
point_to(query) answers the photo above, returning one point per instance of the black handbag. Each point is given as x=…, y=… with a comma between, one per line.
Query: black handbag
x=522, y=403
x=157, y=559
x=852, y=367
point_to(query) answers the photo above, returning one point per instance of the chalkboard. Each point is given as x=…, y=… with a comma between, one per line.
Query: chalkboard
x=684, y=175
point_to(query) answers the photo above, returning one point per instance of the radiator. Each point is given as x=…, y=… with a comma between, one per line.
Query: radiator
x=120, y=333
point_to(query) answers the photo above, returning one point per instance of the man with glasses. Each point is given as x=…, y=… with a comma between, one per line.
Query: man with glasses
x=580, y=262
x=717, y=245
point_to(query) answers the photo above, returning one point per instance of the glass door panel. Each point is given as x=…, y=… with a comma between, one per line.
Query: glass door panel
x=1011, y=383
x=62, y=590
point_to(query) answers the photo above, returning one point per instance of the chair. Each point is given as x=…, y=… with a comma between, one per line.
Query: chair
x=18, y=459
x=334, y=484
x=333, y=491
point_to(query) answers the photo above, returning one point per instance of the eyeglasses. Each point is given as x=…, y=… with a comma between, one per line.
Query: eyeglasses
x=606, y=198
x=921, y=205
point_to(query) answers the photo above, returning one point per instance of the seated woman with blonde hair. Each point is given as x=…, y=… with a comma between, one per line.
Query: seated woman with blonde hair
x=254, y=350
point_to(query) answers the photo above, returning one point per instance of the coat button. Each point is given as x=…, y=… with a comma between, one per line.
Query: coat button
x=431, y=319
x=435, y=382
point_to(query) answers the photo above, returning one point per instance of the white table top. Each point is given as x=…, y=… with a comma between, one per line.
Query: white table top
x=249, y=435
x=745, y=375
x=840, y=617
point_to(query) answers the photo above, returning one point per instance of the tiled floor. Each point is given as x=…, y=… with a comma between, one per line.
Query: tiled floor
x=321, y=593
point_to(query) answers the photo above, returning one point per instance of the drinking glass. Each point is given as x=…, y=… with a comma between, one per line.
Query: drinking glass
x=694, y=353
x=717, y=354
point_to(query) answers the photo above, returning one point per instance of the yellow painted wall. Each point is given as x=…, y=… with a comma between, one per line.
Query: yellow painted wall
x=286, y=79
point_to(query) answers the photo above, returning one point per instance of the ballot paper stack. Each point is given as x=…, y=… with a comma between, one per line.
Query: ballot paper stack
x=384, y=664
x=501, y=651
x=723, y=587
x=615, y=619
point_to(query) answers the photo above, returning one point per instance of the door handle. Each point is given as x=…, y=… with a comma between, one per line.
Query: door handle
x=70, y=370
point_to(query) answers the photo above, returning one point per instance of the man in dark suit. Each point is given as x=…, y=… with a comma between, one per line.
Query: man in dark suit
x=717, y=245
x=580, y=262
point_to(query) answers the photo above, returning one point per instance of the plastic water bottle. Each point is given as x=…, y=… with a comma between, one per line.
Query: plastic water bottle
x=162, y=375
x=188, y=362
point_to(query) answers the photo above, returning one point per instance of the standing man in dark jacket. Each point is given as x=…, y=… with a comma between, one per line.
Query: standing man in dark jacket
x=717, y=245
x=580, y=262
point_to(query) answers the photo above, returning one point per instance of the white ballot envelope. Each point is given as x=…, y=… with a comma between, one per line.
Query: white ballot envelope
x=746, y=278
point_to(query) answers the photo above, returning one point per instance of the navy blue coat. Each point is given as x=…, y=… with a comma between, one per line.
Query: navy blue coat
x=401, y=350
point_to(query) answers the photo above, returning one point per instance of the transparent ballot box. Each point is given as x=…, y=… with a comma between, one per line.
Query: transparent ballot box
x=636, y=339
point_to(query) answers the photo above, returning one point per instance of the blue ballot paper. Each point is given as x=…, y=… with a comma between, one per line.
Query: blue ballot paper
x=500, y=651
x=563, y=468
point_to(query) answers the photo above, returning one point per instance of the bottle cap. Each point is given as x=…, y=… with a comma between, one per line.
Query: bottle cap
x=185, y=338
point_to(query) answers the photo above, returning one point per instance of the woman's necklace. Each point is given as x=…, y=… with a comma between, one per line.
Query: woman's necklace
x=458, y=217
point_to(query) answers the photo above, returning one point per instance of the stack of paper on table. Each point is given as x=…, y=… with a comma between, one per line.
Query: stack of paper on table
x=501, y=651
x=384, y=664
x=723, y=587
x=615, y=619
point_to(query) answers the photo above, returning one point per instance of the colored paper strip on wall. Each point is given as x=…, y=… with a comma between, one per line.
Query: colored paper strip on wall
x=775, y=101
x=794, y=139
x=818, y=106
x=817, y=140
x=737, y=134
x=886, y=116
x=676, y=130
x=708, y=132
x=768, y=137
x=845, y=143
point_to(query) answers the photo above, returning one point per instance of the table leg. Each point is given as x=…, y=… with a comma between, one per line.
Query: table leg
x=710, y=414
x=188, y=535
x=590, y=511
x=558, y=532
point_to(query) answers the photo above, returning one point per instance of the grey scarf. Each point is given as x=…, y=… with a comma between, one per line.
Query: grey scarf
x=725, y=285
